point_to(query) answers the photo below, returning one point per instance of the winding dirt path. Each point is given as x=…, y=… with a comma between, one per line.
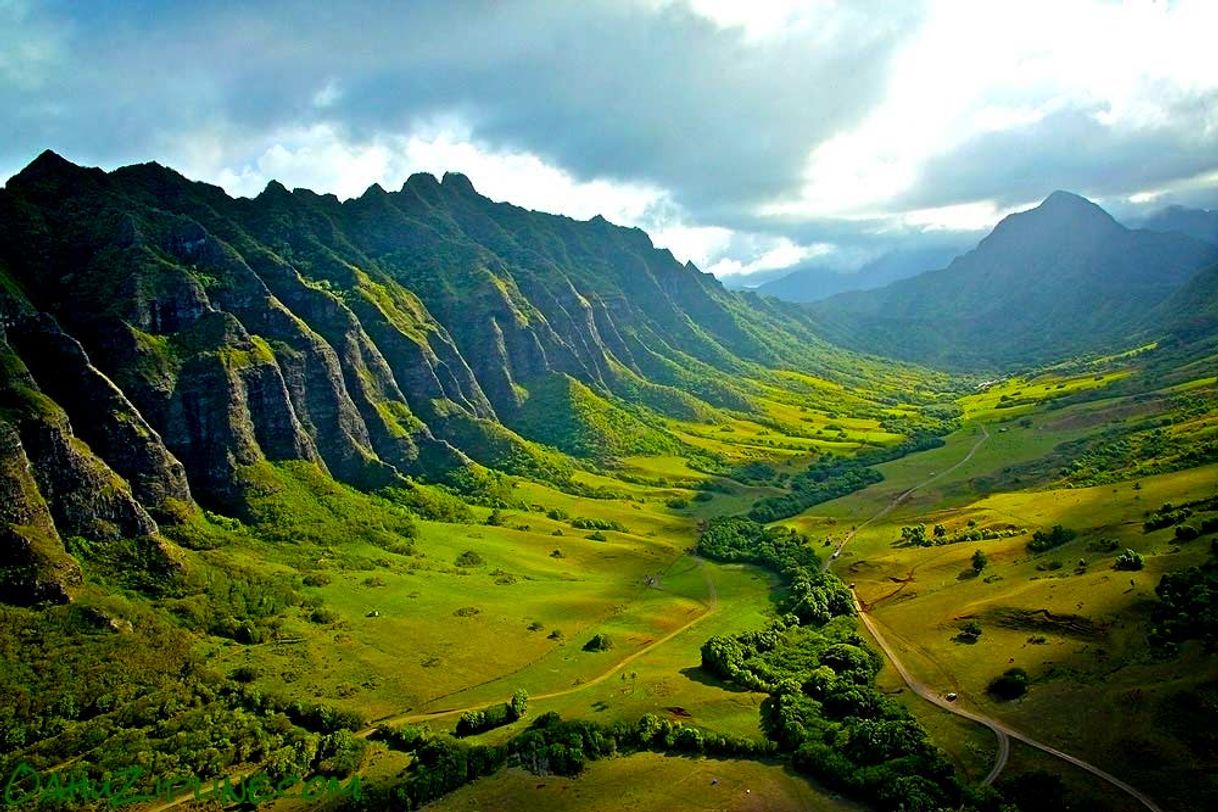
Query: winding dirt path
x=1003, y=732
x=712, y=606
x=903, y=495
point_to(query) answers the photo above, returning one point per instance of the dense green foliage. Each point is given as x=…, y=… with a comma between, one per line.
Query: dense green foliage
x=1055, y=537
x=833, y=476
x=823, y=709
x=479, y=721
x=1188, y=605
x=550, y=746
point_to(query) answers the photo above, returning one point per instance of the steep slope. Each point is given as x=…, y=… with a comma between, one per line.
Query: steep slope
x=1191, y=313
x=1059, y=279
x=163, y=342
x=813, y=283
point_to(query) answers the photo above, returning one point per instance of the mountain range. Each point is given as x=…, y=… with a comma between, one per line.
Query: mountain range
x=162, y=342
x=1061, y=279
x=814, y=282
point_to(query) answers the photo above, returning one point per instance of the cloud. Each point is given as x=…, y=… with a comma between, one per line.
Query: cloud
x=976, y=75
x=323, y=157
x=737, y=133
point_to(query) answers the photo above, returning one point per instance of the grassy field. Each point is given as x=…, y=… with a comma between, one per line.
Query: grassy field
x=648, y=782
x=1066, y=616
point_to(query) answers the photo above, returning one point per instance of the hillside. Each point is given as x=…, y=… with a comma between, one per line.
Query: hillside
x=163, y=342
x=1058, y=280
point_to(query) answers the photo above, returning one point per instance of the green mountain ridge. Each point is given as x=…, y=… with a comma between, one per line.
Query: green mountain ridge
x=162, y=342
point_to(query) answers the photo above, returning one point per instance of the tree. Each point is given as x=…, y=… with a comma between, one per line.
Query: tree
x=519, y=703
x=940, y=531
x=970, y=630
x=980, y=560
x=1011, y=685
x=1129, y=560
x=598, y=642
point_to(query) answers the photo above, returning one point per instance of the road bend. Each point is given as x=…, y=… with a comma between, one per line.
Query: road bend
x=1003, y=732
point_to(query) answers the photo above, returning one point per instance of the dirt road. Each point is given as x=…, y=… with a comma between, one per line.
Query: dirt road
x=1004, y=733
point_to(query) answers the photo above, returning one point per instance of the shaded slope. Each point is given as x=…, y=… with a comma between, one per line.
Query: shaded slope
x=164, y=341
x=1060, y=279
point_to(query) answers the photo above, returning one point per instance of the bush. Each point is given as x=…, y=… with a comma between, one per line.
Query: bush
x=1056, y=537
x=323, y=615
x=970, y=631
x=469, y=558
x=1129, y=560
x=1011, y=685
x=1186, y=532
x=677, y=503
x=599, y=642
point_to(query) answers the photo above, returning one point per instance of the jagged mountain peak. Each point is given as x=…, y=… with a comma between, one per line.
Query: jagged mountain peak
x=395, y=334
x=458, y=182
x=274, y=189
x=49, y=171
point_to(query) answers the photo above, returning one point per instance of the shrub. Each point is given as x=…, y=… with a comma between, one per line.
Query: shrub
x=1056, y=537
x=970, y=631
x=323, y=615
x=469, y=558
x=1129, y=560
x=1011, y=685
x=1186, y=532
x=599, y=642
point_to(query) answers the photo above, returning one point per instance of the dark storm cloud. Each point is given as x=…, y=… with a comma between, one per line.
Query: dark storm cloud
x=602, y=89
x=645, y=93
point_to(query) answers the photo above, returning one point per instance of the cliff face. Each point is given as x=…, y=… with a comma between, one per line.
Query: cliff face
x=161, y=337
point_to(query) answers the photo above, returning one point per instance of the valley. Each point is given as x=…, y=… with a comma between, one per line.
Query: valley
x=437, y=501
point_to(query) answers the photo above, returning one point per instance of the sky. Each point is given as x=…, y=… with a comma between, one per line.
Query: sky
x=747, y=137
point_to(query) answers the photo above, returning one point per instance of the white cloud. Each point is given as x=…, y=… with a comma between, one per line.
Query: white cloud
x=329, y=93
x=975, y=68
x=782, y=253
x=322, y=158
x=701, y=245
x=976, y=216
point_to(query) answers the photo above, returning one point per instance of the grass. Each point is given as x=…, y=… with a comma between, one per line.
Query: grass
x=648, y=782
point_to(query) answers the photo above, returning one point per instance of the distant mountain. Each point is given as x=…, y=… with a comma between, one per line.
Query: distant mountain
x=1200, y=224
x=1054, y=281
x=815, y=282
x=165, y=347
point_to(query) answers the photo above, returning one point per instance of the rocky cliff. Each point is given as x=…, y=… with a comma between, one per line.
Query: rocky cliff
x=161, y=339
